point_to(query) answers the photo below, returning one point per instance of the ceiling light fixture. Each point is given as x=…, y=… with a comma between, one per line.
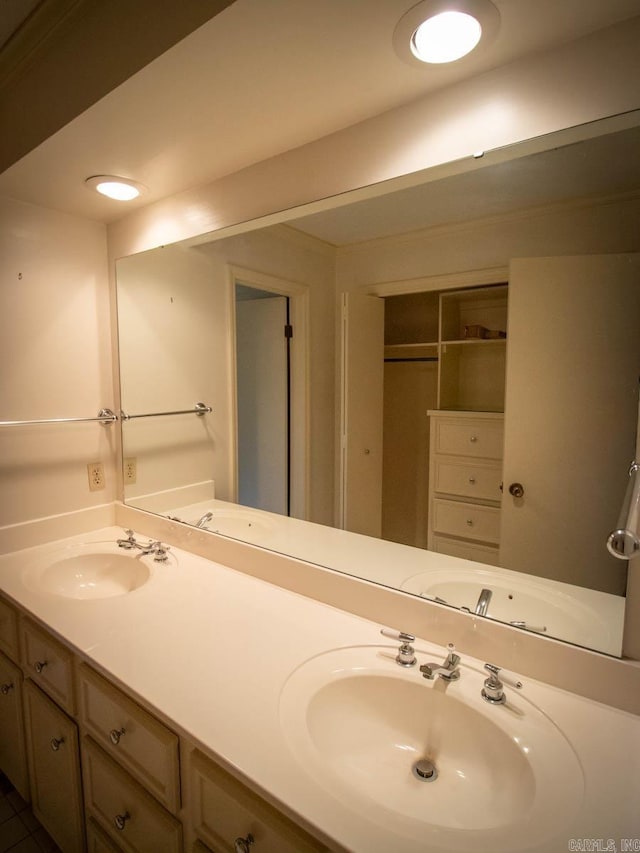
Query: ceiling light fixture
x=121, y=189
x=440, y=31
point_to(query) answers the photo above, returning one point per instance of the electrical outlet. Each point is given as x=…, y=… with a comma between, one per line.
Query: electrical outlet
x=129, y=469
x=95, y=471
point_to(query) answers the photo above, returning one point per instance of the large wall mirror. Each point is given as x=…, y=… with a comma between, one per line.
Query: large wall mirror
x=435, y=389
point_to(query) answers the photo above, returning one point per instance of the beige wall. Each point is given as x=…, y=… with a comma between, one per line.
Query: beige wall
x=55, y=349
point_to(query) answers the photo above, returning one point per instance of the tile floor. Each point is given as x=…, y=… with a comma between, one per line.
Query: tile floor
x=20, y=832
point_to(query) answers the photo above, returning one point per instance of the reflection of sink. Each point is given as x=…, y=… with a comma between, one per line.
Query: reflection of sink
x=237, y=522
x=358, y=724
x=541, y=604
x=82, y=573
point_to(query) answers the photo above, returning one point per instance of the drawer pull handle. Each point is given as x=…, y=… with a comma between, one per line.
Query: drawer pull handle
x=56, y=743
x=6, y=688
x=115, y=735
x=242, y=845
x=473, y=439
x=469, y=522
x=472, y=480
x=39, y=665
x=120, y=820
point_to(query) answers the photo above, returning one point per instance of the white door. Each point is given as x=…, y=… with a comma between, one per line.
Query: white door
x=361, y=414
x=262, y=401
x=573, y=365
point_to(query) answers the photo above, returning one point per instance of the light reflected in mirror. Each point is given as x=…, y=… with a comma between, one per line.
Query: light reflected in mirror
x=435, y=389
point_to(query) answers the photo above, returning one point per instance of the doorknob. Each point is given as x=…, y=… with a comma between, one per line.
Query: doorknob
x=516, y=489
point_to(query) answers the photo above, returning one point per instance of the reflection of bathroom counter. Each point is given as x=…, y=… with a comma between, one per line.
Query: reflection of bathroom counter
x=576, y=615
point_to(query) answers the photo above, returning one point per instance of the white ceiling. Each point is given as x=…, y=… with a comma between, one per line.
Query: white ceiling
x=261, y=78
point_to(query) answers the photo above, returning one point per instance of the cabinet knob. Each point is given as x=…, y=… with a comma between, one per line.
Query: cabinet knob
x=472, y=480
x=469, y=522
x=56, y=743
x=473, y=439
x=516, y=489
x=39, y=665
x=242, y=845
x=6, y=688
x=120, y=820
x=115, y=735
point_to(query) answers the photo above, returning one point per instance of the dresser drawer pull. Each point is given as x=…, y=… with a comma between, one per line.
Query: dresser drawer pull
x=473, y=439
x=115, y=735
x=469, y=522
x=6, y=688
x=472, y=480
x=120, y=820
x=56, y=743
x=39, y=665
x=242, y=845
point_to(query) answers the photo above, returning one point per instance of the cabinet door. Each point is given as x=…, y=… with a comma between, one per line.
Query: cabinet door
x=54, y=766
x=13, y=755
x=571, y=414
x=361, y=414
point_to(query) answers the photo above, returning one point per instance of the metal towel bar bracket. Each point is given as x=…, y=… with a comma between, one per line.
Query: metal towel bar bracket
x=624, y=541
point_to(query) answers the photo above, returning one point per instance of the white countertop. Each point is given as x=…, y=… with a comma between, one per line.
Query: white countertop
x=210, y=649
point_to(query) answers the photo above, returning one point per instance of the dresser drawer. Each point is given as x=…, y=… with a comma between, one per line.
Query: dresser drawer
x=468, y=521
x=471, y=479
x=8, y=630
x=487, y=554
x=145, y=747
x=49, y=664
x=224, y=810
x=123, y=809
x=479, y=438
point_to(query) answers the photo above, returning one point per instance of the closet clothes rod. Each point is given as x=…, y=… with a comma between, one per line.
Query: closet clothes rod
x=199, y=409
x=105, y=416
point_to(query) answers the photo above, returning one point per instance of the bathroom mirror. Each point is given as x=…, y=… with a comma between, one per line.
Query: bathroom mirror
x=318, y=342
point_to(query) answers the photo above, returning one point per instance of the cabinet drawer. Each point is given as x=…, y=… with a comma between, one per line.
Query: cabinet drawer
x=145, y=747
x=13, y=754
x=49, y=664
x=54, y=762
x=123, y=809
x=8, y=630
x=98, y=841
x=468, y=521
x=466, y=550
x=454, y=476
x=479, y=438
x=224, y=810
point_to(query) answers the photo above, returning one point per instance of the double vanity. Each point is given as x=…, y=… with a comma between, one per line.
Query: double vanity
x=152, y=699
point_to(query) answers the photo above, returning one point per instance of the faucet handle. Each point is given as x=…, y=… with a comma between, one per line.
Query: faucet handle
x=406, y=653
x=493, y=686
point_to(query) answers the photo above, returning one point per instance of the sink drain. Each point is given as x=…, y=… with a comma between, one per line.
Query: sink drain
x=425, y=770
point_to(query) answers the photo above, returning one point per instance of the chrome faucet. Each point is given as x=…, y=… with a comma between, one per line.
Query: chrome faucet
x=406, y=653
x=483, y=602
x=202, y=521
x=154, y=547
x=449, y=670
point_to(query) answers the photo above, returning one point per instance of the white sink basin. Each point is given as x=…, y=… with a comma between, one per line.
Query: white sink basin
x=358, y=723
x=95, y=570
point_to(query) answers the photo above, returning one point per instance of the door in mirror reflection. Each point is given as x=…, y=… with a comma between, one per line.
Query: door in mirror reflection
x=263, y=405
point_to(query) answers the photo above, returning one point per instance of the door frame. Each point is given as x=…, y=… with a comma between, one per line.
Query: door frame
x=299, y=438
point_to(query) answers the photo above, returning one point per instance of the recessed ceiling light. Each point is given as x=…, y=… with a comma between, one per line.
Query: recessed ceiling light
x=115, y=187
x=440, y=31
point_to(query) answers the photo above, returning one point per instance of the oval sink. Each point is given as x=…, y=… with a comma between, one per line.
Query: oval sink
x=359, y=725
x=86, y=574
